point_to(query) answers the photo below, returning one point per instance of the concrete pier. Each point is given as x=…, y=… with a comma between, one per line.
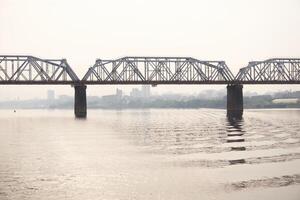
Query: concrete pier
x=235, y=101
x=80, y=101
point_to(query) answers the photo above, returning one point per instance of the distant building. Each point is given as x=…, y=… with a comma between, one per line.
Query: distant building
x=286, y=101
x=135, y=93
x=113, y=98
x=146, y=91
x=143, y=93
x=65, y=98
x=50, y=95
x=119, y=93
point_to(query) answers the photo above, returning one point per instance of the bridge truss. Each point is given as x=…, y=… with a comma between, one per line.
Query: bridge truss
x=158, y=70
x=15, y=69
x=33, y=70
x=271, y=71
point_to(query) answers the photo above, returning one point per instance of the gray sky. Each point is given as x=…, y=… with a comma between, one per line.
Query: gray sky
x=236, y=31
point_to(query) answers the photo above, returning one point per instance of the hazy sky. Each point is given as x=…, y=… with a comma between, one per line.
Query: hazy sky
x=236, y=31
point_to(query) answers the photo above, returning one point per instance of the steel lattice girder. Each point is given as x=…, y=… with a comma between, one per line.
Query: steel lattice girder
x=271, y=70
x=16, y=69
x=31, y=70
x=158, y=70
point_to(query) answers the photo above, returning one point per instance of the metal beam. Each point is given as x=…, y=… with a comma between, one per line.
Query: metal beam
x=30, y=70
x=19, y=69
x=157, y=70
x=271, y=71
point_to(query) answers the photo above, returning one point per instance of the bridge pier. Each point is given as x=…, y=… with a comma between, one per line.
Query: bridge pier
x=80, y=101
x=235, y=101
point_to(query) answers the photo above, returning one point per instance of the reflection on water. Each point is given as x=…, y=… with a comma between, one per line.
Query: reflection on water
x=150, y=154
x=235, y=129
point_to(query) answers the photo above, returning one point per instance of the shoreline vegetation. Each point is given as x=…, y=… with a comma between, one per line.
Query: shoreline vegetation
x=277, y=100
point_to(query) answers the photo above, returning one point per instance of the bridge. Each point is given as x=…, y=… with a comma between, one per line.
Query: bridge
x=30, y=70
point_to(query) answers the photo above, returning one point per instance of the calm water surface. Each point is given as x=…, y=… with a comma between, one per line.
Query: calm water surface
x=149, y=154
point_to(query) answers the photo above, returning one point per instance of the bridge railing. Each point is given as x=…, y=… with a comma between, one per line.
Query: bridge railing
x=157, y=70
x=32, y=70
x=275, y=70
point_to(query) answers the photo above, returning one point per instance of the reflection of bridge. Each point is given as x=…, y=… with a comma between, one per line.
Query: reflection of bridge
x=17, y=70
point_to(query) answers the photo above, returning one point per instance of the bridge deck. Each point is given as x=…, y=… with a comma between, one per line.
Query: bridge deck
x=146, y=82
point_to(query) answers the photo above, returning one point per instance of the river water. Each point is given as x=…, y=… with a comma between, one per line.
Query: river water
x=149, y=154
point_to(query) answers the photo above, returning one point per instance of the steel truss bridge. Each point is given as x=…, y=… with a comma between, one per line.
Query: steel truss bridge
x=158, y=70
x=30, y=70
x=147, y=70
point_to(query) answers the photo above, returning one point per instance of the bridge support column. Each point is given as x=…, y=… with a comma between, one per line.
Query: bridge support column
x=235, y=101
x=80, y=101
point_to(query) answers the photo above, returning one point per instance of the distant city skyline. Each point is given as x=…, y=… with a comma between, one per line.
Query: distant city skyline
x=142, y=98
x=144, y=91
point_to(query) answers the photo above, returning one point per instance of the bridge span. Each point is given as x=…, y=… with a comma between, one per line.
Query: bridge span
x=30, y=70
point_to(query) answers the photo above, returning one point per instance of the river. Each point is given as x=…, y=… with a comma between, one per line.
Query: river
x=149, y=154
